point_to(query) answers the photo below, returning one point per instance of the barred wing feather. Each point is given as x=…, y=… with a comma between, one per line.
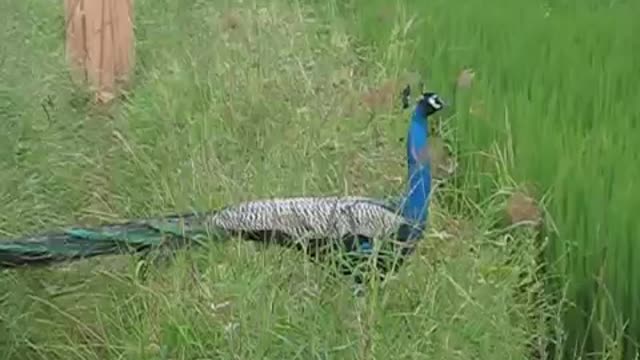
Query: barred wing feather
x=312, y=217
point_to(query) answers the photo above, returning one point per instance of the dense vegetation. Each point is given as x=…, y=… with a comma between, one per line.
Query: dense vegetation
x=248, y=99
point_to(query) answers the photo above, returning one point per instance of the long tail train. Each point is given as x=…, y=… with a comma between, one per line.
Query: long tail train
x=84, y=242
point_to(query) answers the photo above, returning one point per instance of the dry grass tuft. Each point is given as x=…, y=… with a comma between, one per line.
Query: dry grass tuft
x=521, y=208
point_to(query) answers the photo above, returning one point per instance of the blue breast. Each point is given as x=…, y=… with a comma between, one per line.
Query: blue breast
x=416, y=205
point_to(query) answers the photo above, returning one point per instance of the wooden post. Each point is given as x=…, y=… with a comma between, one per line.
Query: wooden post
x=100, y=44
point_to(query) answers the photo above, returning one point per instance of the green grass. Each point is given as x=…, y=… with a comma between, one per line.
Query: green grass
x=272, y=107
x=558, y=80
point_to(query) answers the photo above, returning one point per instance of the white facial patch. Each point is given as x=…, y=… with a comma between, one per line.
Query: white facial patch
x=433, y=101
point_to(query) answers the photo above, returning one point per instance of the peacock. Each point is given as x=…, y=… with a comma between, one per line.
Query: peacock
x=316, y=225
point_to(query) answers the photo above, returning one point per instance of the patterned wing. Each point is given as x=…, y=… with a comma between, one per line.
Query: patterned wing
x=311, y=218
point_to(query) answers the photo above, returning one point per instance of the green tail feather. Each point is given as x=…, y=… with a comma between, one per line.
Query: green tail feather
x=76, y=243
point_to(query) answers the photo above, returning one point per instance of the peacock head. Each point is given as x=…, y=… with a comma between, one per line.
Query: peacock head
x=429, y=103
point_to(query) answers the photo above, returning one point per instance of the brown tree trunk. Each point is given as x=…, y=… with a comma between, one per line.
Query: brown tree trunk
x=100, y=44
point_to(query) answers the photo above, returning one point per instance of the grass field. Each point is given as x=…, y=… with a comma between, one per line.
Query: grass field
x=243, y=100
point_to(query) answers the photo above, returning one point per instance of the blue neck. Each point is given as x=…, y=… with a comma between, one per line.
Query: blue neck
x=416, y=202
